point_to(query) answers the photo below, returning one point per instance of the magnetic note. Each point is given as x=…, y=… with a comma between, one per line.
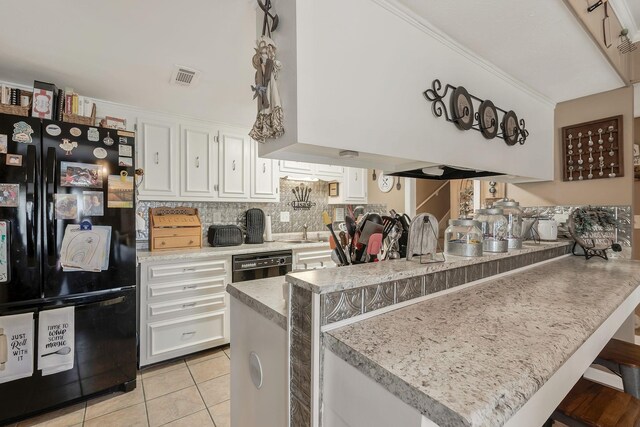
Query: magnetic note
x=92, y=203
x=4, y=142
x=125, y=150
x=66, y=206
x=120, y=191
x=9, y=195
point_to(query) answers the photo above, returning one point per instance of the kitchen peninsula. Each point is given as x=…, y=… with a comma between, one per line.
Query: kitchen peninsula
x=471, y=341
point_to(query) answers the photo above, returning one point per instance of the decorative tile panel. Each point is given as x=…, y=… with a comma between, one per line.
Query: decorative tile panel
x=409, y=289
x=435, y=282
x=341, y=305
x=233, y=212
x=455, y=277
x=378, y=296
x=300, y=323
x=474, y=272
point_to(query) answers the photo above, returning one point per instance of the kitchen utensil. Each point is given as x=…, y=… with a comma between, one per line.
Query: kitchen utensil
x=600, y=141
x=62, y=352
x=398, y=185
x=580, y=161
x=374, y=246
x=590, y=155
x=606, y=26
x=332, y=243
x=570, y=146
x=335, y=257
x=601, y=171
x=423, y=232
x=580, y=177
x=374, y=177
x=612, y=174
x=579, y=139
x=327, y=222
x=590, y=140
x=368, y=230
x=590, y=172
x=343, y=239
x=610, y=129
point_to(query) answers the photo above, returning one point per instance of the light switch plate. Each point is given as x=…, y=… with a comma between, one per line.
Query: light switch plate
x=285, y=217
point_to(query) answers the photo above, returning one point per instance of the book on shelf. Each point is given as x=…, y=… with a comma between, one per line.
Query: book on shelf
x=60, y=105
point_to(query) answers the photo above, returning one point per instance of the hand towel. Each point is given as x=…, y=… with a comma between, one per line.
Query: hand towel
x=16, y=347
x=56, y=340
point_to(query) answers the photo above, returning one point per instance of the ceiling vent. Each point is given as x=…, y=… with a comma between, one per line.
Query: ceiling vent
x=184, y=76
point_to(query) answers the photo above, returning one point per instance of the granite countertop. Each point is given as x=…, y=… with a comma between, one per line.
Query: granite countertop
x=336, y=279
x=263, y=296
x=475, y=356
x=146, y=255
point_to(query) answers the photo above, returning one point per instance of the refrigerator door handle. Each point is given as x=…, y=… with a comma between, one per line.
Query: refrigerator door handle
x=50, y=208
x=32, y=190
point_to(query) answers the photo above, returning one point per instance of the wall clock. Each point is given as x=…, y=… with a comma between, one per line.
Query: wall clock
x=385, y=183
x=510, y=128
x=488, y=118
x=462, y=108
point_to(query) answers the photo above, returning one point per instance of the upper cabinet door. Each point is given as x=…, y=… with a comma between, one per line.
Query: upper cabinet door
x=329, y=171
x=199, y=162
x=356, y=185
x=234, y=163
x=291, y=167
x=265, y=180
x=158, y=156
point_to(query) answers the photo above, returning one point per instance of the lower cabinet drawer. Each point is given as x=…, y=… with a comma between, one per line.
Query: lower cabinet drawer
x=186, y=306
x=176, y=242
x=212, y=285
x=176, y=334
x=172, y=271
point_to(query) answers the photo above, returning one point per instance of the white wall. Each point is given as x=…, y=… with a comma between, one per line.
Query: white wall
x=361, y=71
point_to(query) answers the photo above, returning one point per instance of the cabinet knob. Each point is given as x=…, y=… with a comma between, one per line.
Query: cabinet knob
x=264, y=168
x=157, y=158
x=163, y=243
x=197, y=161
x=233, y=165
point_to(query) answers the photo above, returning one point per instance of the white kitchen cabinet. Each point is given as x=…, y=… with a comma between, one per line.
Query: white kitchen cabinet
x=199, y=155
x=353, y=187
x=265, y=178
x=289, y=167
x=329, y=171
x=157, y=142
x=234, y=163
x=183, y=307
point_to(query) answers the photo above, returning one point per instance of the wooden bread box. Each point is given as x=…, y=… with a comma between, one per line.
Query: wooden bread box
x=174, y=228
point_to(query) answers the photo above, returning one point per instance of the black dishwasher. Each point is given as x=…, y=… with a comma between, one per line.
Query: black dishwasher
x=261, y=265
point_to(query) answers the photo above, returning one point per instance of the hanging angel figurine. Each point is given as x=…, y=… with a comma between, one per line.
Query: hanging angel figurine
x=269, y=122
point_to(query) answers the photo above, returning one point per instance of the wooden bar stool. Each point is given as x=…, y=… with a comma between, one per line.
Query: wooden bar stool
x=589, y=404
x=623, y=358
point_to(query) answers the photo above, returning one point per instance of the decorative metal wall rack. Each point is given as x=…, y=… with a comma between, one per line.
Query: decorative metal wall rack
x=485, y=119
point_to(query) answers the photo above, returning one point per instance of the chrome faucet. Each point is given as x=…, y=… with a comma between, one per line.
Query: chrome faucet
x=304, y=232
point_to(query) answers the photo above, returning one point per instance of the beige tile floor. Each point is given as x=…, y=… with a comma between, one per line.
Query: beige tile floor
x=193, y=391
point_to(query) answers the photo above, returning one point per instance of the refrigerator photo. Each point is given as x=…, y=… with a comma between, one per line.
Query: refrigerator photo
x=67, y=239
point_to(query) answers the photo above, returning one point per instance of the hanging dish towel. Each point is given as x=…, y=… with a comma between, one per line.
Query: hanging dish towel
x=16, y=347
x=56, y=340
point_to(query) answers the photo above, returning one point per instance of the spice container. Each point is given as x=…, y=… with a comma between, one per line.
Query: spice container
x=514, y=217
x=463, y=237
x=494, y=229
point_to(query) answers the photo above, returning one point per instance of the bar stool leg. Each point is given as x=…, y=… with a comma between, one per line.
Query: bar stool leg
x=631, y=380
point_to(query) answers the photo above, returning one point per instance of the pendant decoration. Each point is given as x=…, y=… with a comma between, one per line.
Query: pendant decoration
x=485, y=120
x=22, y=133
x=67, y=145
x=108, y=140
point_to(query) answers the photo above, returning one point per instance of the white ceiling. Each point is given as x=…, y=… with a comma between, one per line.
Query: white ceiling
x=543, y=46
x=628, y=11
x=124, y=51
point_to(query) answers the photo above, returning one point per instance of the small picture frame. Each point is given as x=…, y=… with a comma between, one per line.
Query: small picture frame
x=3, y=143
x=14, y=160
x=334, y=189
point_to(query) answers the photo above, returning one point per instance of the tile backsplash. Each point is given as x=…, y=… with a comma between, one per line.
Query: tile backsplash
x=233, y=212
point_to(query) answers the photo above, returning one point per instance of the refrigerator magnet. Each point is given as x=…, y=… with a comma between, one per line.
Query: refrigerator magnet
x=93, y=135
x=126, y=133
x=66, y=206
x=14, y=160
x=53, y=130
x=126, y=162
x=100, y=153
x=80, y=175
x=22, y=133
x=67, y=145
x=108, y=140
x=92, y=203
x=75, y=132
x=125, y=150
x=123, y=140
x=3, y=144
x=9, y=195
x=120, y=191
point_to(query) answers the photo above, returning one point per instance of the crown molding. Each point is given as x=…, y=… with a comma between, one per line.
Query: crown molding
x=622, y=11
x=425, y=26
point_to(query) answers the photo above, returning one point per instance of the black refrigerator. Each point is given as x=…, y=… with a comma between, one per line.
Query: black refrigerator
x=67, y=239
